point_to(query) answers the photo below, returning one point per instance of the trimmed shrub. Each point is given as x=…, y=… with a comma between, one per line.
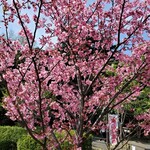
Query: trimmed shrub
x=8, y=145
x=27, y=143
x=16, y=138
x=9, y=137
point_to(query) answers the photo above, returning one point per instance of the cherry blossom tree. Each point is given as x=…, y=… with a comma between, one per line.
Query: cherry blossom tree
x=86, y=64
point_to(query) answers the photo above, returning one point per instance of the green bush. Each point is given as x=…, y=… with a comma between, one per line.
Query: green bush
x=16, y=138
x=87, y=145
x=9, y=137
x=66, y=145
x=27, y=143
x=8, y=145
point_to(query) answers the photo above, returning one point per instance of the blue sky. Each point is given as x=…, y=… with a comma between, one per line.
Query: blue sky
x=14, y=27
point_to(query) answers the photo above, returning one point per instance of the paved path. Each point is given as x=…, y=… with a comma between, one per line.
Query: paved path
x=98, y=145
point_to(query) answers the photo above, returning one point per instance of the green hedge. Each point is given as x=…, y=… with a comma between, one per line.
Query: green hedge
x=9, y=137
x=16, y=138
x=27, y=143
x=8, y=145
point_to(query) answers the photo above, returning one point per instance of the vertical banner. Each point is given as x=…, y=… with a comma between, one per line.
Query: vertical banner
x=113, y=128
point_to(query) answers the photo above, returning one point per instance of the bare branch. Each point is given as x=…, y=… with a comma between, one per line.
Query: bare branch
x=36, y=24
x=22, y=24
x=120, y=21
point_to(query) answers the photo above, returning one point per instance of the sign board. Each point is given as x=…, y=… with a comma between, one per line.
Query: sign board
x=113, y=128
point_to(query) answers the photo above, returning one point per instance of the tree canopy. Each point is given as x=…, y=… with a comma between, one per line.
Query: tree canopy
x=64, y=83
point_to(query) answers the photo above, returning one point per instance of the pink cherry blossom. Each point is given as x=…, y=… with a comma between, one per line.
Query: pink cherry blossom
x=74, y=81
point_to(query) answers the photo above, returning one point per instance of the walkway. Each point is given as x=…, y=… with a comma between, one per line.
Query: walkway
x=98, y=145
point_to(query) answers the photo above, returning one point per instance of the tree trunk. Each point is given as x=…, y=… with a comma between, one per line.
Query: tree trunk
x=44, y=147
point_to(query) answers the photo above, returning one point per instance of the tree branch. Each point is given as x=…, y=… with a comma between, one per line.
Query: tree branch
x=120, y=21
x=22, y=24
x=36, y=24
